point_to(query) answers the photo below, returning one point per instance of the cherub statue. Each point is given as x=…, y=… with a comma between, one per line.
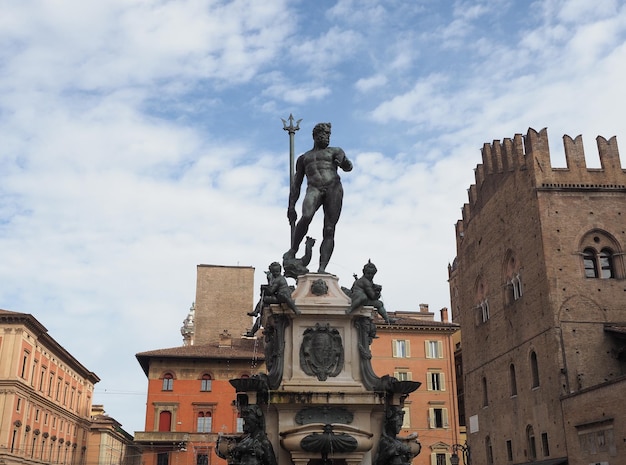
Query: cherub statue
x=277, y=291
x=365, y=292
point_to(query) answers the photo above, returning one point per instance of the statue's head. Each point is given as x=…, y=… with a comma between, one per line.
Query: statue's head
x=394, y=418
x=275, y=268
x=321, y=134
x=369, y=269
x=252, y=418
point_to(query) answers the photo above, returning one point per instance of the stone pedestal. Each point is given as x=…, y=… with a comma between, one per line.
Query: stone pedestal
x=322, y=400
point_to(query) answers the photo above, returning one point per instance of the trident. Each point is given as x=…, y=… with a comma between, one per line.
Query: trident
x=292, y=132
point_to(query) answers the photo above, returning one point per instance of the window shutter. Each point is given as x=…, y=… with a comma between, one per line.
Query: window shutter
x=427, y=349
x=442, y=381
x=396, y=374
x=431, y=418
x=444, y=417
x=429, y=381
x=407, y=344
x=394, y=347
x=433, y=458
x=406, y=422
x=409, y=376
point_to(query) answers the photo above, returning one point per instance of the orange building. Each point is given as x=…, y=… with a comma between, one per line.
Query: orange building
x=416, y=347
x=45, y=396
x=190, y=400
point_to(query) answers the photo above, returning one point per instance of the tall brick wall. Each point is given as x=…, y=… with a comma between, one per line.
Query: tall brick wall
x=522, y=207
x=224, y=294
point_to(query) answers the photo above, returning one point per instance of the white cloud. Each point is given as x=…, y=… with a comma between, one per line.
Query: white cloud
x=280, y=88
x=362, y=12
x=327, y=50
x=373, y=82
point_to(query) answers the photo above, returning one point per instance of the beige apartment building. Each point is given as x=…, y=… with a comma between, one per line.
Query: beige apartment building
x=45, y=396
x=108, y=442
x=416, y=347
x=538, y=286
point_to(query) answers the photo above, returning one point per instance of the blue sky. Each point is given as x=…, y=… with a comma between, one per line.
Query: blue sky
x=139, y=138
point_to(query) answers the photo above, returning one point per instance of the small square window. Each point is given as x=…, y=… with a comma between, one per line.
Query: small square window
x=206, y=383
x=168, y=382
x=434, y=349
x=435, y=381
x=401, y=348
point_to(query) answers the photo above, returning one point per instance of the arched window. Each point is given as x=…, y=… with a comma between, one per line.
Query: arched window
x=598, y=265
x=606, y=264
x=168, y=382
x=205, y=420
x=601, y=255
x=205, y=383
x=513, y=380
x=590, y=263
x=482, y=303
x=489, y=450
x=534, y=369
x=530, y=442
x=485, y=394
x=484, y=310
x=165, y=420
x=512, y=277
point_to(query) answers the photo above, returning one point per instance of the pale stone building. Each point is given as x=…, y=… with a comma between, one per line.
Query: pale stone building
x=108, y=442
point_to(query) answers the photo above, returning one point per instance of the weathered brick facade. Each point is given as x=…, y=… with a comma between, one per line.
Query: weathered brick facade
x=224, y=294
x=538, y=334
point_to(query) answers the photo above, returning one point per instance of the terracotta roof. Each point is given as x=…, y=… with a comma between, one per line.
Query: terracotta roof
x=241, y=349
x=415, y=323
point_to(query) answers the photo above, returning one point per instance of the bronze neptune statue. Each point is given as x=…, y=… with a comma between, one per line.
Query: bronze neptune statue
x=324, y=189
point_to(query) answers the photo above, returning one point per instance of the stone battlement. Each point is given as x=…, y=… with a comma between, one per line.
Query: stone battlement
x=529, y=156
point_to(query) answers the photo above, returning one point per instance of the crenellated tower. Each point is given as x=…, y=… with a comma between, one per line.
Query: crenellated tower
x=538, y=286
x=530, y=156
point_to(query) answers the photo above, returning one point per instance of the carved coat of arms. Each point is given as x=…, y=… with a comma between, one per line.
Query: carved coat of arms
x=321, y=352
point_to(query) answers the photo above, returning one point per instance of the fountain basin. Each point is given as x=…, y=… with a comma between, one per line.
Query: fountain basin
x=327, y=438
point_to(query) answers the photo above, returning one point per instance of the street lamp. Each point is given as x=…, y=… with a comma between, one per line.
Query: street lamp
x=465, y=450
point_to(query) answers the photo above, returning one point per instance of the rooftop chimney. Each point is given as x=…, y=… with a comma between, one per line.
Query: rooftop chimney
x=226, y=340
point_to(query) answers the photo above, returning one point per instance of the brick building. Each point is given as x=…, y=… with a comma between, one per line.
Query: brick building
x=416, y=347
x=45, y=396
x=190, y=400
x=538, y=287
